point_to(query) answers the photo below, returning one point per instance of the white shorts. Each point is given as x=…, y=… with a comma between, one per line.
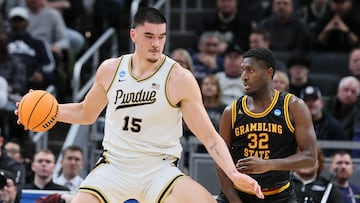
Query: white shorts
x=148, y=179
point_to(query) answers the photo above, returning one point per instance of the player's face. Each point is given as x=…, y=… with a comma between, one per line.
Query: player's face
x=149, y=40
x=255, y=76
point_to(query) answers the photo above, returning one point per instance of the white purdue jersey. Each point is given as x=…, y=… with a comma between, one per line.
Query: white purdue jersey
x=139, y=118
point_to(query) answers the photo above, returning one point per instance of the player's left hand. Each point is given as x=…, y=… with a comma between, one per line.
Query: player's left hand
x=252, y=165
x=246, y=183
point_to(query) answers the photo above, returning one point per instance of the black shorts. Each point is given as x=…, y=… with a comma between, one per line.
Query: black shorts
x=286, y=196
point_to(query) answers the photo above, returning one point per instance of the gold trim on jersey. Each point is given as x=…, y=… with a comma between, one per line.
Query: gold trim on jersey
x=268, y=192
x=156, y=70
x=261, y=114
x=167, y=189
x=96, y=192
x=115, y=74
x=287, y=113
x=233, y=113
x=166, y=87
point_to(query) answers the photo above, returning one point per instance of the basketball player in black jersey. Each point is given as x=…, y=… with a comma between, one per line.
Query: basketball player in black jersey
x=268, y=134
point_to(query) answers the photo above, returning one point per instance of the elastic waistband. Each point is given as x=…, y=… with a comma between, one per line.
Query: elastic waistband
x=271, y=191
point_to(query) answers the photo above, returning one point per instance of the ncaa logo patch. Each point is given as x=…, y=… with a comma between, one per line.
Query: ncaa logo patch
x=122, y=75
x=277, y=112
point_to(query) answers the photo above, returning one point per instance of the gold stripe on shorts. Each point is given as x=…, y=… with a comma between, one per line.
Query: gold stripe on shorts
x=168, y=189
x=96, y=192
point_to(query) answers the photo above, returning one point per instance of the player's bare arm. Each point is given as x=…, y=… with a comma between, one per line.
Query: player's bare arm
x=183, y=90
x=95, y=100
x=225, y=183
x=306, y=140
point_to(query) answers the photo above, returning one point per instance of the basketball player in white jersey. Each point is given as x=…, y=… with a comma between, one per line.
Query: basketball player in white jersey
x=146, y=94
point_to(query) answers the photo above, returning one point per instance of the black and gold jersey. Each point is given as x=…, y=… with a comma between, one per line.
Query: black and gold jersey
x=267, y=135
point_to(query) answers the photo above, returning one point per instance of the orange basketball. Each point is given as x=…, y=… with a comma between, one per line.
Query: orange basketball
x=38, y=111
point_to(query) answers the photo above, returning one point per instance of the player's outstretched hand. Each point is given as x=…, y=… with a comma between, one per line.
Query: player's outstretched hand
x=246, y=183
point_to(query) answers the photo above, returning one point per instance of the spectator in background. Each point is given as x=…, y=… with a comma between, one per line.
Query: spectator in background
x=343, y=106
x=207, y=60
x=231, y=85
x=43, y=166
x=15, y=167
x=338, y=30
x=342, y=162
x=34, y=54
x=111, y=18
x=228, y=22
x=254, y=11
x=310, y=186
x=314, y=11
x=3, y=92
x=9, y=192
x=7, y=5
x=288, y=32
x=183, y=57
x=281, y=81
x=326, y=126
x=71, y=164
x=47, y=24
x=211, y=96
x=12, y=69
x=261, y=38
x=70, y=11
x=354, y=63
x=15, y=151
x=299, y=67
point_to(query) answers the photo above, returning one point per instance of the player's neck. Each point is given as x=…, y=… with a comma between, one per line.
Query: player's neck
x=143, y=68
x=262, y=100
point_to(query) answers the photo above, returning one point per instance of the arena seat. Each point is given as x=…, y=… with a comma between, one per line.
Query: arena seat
x=202, y=169
x=327, y=82
x=330, y=62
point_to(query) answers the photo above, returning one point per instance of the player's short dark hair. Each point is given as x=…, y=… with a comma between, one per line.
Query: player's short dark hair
x=148, y=14
x=262, y=54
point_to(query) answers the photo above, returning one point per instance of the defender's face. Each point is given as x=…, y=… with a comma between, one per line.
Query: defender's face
x=149, y=40
x=253, y=75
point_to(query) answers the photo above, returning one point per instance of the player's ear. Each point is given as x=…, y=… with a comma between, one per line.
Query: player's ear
x=132, y=34
x=270, y=72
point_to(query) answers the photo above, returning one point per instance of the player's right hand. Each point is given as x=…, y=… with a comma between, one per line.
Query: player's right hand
x=246, y=184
